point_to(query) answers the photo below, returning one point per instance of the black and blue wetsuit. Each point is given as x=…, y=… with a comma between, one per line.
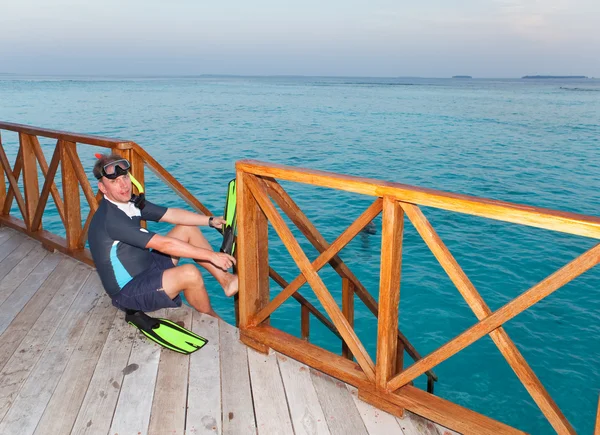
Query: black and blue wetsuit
x=130, y=273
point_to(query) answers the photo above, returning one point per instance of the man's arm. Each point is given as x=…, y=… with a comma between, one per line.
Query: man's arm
x=178, y=216
x=179, y=248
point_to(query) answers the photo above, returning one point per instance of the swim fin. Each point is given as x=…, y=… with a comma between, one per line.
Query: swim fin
x=166, y=333
x=230, y=215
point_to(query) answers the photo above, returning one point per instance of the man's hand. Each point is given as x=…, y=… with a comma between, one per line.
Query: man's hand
x=222, y=260
x=217, y=222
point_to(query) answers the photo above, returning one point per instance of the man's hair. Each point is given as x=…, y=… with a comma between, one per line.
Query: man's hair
x=103, y=161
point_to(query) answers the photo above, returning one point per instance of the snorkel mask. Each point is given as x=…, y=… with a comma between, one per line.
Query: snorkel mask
x=114, y=170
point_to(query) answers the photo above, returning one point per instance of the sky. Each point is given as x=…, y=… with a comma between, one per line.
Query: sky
x=379, y=38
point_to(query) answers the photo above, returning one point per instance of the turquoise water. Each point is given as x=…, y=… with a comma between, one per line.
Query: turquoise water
x=525, y=141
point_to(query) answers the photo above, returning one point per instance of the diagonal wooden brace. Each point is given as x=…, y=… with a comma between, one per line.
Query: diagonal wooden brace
x=37, y=149
x=367, y=216
x=48, y=183
x=297, y=216
x=13, y=177
x=546, y=287
x=259, y=191
x=506, y=346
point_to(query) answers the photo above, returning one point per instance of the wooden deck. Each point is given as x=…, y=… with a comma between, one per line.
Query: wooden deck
x=70, y=364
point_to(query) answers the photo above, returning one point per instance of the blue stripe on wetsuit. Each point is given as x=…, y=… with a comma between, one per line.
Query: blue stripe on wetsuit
x=121, y=273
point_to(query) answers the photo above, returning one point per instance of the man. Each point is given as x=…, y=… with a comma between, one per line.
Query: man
x=137, y=267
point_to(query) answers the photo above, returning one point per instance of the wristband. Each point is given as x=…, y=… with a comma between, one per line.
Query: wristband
x=210, y=221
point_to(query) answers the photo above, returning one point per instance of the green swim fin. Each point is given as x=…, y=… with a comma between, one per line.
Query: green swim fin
x=230, y=228
x=166, y=333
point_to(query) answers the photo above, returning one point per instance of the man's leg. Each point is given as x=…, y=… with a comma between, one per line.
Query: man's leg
x=189, y=279
x=194, y=236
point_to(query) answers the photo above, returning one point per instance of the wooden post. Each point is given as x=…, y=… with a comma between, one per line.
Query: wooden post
x=348, y=311
x=389, y=291
x=31, y=185
x=400, y=358
x=71, y=196
x=305, y=322
x=253, y=258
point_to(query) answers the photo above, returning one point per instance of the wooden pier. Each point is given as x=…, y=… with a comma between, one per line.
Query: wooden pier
x=70, y=364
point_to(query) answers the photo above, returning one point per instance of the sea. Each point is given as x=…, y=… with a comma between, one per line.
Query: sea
x=527, y=141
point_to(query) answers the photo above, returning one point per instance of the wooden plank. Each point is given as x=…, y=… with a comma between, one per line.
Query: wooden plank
x=325, y=257
x=63, y=407
x=309, y=354
x=8, y=247
x=49, y=240
x=238, y=412
x=415, y=424
x=28, y=405
x=321, y=291
x=169, y=405
x=389, y=291
x=31, y=186
x=572, y=223
x=16, y=266
x=270, y=405
x=204, y=393
x=5, y=234
x=253, y=254
x=546, y=287
x=429, y=406
x=304, y=224
x=65, y=135
x=96, y=412
x=375, y=420
x=506, y=346
x=132, y=413
x=71, y=197
x=41, y=307
x=303, y=401
x=49, y=186
x=27, y=288
x=444, y=412
x=341, y=413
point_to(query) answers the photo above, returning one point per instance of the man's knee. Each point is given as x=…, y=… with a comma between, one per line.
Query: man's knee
x=190, y=274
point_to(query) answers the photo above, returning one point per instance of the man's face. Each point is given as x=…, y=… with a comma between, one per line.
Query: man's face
x=117, y=190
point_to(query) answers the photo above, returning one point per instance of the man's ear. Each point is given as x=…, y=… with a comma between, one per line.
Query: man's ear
x=101, y=187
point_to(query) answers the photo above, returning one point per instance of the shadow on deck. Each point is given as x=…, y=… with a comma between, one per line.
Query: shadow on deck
x=70, y=364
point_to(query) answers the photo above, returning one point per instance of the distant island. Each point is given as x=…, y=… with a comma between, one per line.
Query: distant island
x=554, y=77
x=462, y=77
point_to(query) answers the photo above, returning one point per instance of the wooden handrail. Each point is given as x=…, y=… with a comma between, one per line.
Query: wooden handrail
x=390, y=380
x=32, y=206
x=67, y=136
x=571, y=223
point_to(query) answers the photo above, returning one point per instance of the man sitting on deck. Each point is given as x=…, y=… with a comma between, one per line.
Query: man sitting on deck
x=138, y=268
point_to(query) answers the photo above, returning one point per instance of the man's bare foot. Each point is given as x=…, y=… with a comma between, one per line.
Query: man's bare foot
x=231, y=288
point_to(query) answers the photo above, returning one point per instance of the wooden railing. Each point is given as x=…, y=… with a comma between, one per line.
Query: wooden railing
x=385, y=383
x=32, y=203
